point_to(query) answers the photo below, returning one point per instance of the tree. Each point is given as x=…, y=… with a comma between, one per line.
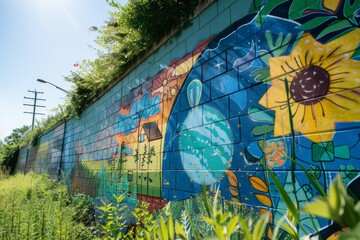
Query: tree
x=17, y=135
x=9, y=150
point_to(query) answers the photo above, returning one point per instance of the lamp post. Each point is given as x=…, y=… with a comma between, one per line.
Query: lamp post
x=63, y=140
x=43, y=81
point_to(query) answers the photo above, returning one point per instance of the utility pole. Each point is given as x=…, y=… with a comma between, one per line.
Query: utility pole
x=34, y=106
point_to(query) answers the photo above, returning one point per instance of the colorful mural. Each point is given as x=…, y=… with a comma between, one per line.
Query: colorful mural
x=278, y=89
x=45, y=155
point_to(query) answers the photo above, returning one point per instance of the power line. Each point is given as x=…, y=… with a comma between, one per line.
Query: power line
x=34, y=105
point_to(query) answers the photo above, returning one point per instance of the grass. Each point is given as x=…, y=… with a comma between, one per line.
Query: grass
x=35, y=207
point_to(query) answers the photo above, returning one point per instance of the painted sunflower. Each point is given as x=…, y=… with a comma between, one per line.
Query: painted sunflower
x=320, y=82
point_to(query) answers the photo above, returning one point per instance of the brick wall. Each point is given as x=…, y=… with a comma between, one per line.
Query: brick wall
x=233, y=94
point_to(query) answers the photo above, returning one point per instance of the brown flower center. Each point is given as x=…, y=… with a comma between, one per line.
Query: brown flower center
x=310, y=85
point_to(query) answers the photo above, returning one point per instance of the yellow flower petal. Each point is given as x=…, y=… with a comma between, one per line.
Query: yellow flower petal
x=315, y=110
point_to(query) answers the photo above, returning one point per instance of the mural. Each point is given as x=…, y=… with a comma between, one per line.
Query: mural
x=45, y=155
x=278, y=89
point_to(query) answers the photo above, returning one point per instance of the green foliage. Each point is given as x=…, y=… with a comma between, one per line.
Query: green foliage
x=222, y=224
x=34, y=207
x=151, y=18
x=222, y=221
x=111, y=220
x=83, y=209
x=331, y=24
x=145, y=221
x=132, y=29
x=338, y=206
x=9, y=150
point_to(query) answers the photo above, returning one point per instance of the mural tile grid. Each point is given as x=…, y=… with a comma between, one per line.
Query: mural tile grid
x=222, y=113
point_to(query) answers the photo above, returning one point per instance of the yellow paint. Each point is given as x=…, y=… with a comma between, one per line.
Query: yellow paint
x=331, y=4
x=186, y=66
x=309, y=118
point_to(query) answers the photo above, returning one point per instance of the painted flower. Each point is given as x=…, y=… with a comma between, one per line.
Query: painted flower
x=275, y=154
x=320, y=83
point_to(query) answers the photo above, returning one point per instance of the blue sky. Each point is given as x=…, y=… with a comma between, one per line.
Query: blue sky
x=42, y=39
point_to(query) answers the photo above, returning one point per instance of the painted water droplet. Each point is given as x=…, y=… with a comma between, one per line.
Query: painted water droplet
x=194, y=91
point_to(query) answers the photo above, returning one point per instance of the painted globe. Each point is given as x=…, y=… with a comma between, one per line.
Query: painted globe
x=204, y=145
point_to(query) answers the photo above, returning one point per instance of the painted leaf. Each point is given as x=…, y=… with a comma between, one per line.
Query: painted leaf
x=350, y=9
x=256, y=6
x=278, y=51
x=232, y=178
x=315, y=22
x=262, y=74
x=305, y=6
x=356, y=53
x=264, y=199
x=233, y=191
x=262, y=130
x=258, y=184
x=335, y=26
x=258, y=115
x=265, y=11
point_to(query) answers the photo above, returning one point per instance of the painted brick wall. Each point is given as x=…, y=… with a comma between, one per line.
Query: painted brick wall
x=235, y=93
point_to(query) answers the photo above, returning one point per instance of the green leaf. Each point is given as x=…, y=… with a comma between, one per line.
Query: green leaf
x=261, y=130
x=164, y=234
x=315, y=22
x=209, y=220
x=180, y=233
x=285, y=196
x=257, y=114
x=320, y=208
x=147, y=235
x=353, y=234
x=314, y=182
x=245, y=229
x=279, y=40
x=299, y=6
x=335, y=26
x=260, y=226
x=205, y=201
x=262, y=75
x=170, y=227
x=334, y=195
x=256, y=5
x=290, y=230
x=270, y=5
x=265, y=55
x=219, y=231
x=269, y=39
x=350, y=9
x=232, y=225
x=223, y=217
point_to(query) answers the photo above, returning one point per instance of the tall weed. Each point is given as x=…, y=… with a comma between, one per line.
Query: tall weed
x=35, y=207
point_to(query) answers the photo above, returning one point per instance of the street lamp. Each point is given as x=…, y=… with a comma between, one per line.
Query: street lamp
x=43, y=81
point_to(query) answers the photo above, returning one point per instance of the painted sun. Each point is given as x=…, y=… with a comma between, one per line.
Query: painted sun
x=320, y=83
